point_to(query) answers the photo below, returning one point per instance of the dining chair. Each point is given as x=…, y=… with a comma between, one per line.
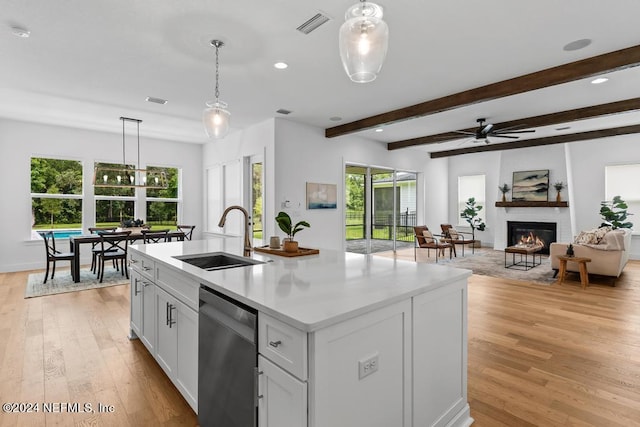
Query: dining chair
x=114, y=246
x=54, y=255
x=95, y=247
x=187, y=230
x=155, y=236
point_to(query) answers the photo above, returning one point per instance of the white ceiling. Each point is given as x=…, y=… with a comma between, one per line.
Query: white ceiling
x=86, y=63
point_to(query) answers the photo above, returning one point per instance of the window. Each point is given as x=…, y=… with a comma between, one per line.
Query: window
x=114, y=205
x=622, y=180
x=162, y=204
x=56, y=194
x=470, y=186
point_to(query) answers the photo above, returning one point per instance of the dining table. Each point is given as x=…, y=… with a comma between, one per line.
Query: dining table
x=76, y=241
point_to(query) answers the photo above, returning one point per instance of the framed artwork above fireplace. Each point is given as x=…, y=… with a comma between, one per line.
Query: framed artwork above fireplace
x=530, y=186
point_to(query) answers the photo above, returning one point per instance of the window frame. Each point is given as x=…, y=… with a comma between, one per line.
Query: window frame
x=461, y=202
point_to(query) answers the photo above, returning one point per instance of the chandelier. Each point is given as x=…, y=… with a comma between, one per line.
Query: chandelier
x=216, y=116
x=128, y=176
x=364, y=37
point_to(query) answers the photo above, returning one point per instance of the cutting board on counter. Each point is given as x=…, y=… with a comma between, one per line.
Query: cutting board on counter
x=281, y=252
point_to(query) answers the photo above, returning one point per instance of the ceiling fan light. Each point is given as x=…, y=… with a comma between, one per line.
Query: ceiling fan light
x=216, y=119
x=363, y=40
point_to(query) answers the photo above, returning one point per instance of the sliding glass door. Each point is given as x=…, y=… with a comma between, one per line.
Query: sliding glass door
x=380, y=209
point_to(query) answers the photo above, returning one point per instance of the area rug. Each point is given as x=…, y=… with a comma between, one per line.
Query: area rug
x=488, y=262
x=62, y=282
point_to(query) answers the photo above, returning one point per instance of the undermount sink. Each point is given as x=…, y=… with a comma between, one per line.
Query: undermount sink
x=217, y=261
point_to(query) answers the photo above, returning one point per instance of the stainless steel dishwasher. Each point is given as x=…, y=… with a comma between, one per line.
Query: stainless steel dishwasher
x=227, y=362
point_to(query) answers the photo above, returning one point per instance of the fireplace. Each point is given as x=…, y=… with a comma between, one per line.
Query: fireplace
x=531, y=234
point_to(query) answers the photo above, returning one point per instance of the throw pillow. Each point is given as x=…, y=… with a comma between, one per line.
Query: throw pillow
x=428, y=237
x=591, y=237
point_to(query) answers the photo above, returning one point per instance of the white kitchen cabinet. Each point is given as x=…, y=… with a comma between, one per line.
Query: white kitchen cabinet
x=177, y=343
x=283, y=398
x=136, y=304
x=148, y=329
x=166, y=325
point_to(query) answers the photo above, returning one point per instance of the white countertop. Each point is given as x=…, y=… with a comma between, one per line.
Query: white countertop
x=313, y=291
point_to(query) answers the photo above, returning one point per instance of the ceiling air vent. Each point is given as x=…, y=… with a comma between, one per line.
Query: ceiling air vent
x=283, y=111
x=156, y=100
x=313, y=23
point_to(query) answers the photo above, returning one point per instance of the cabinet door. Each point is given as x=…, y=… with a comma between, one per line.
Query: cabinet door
x=187, y=367
x=136, y=304
x=283, y=401
x=148, y=329
x=167, y=338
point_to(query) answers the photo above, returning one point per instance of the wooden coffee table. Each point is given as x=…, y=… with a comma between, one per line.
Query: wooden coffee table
x=582, y=263
x=522, y=250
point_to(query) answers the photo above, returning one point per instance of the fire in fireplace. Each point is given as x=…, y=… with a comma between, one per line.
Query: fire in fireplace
x=531, y=234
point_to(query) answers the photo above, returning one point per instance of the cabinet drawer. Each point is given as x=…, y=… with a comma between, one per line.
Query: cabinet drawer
x=283, y=344
x=143, y=264
x=178, y=285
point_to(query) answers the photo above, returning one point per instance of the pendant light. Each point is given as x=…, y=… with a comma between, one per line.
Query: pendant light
x=216, y=116
x=127, y=176
x=364, y=37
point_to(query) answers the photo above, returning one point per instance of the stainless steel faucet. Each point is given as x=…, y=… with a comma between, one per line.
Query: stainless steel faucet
x=247, y=225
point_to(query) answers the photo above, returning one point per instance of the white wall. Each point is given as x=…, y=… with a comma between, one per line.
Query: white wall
x=19, y=141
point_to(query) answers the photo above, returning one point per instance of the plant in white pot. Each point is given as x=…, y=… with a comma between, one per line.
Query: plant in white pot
x=284, y=222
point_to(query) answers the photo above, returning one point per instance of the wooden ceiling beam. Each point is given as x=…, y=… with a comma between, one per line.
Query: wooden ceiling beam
x=608, y=62
x=559, y=139
x=529, y=122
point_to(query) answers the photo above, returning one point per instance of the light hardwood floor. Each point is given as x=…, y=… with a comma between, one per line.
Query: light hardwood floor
x=538, y=356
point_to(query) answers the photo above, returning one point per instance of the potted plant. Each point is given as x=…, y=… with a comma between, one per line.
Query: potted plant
x=284, y=222
x=614, y=213
x=504, y=189
x=558, y=186
x=470, y=214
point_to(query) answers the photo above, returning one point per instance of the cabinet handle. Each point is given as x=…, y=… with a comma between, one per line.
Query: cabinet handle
x=170, y=320
x=146, y=268
x=133, y=261
x=257, y=396
x=145, y=283
x=135, y=287
x=167, y=314
x=275, y=343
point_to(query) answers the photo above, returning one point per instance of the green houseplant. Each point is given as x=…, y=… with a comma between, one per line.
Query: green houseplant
x=284, y=222
x=614, y=213
x=470, y=214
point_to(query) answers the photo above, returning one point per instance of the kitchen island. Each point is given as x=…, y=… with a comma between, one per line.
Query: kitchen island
x=343, y=339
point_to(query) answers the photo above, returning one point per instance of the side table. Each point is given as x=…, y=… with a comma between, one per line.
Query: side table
x=581, y=261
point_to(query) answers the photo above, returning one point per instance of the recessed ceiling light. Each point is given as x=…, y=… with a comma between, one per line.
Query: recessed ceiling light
x=577, y=45
x=156, y=100
x=335, y=118
x=379, y=130
x=599, y=80
x=280, y=65
x=20, y=32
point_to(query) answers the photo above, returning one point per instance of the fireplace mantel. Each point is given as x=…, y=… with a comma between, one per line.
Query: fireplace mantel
x=531, y=204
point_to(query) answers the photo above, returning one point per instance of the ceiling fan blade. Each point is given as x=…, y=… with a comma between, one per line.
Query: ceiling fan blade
x=505, y=136
x=463, y=132
x=502, y=131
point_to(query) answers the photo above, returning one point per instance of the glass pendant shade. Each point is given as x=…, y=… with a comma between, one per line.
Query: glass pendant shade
x=364, y=38
x=216, y=119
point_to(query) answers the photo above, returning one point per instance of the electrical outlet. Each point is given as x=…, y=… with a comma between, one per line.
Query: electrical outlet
x=368, y=366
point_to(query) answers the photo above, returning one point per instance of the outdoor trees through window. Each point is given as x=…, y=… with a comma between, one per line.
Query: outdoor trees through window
x=56, y=194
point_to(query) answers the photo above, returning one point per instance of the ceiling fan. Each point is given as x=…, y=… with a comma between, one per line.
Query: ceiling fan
x=484, y=131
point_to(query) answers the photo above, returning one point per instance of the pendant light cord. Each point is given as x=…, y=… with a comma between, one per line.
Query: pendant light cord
x=217, y=45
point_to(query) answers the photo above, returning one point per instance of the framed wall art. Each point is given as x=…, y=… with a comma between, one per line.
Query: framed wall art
x=322, y=196
x=530, y=185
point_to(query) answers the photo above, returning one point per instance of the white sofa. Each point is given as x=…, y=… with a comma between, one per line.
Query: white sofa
x=608, y=257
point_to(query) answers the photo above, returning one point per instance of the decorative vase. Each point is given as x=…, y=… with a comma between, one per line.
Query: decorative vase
x=558, y=197
x=504, y=198
x=570, y=250
x=290, y=246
